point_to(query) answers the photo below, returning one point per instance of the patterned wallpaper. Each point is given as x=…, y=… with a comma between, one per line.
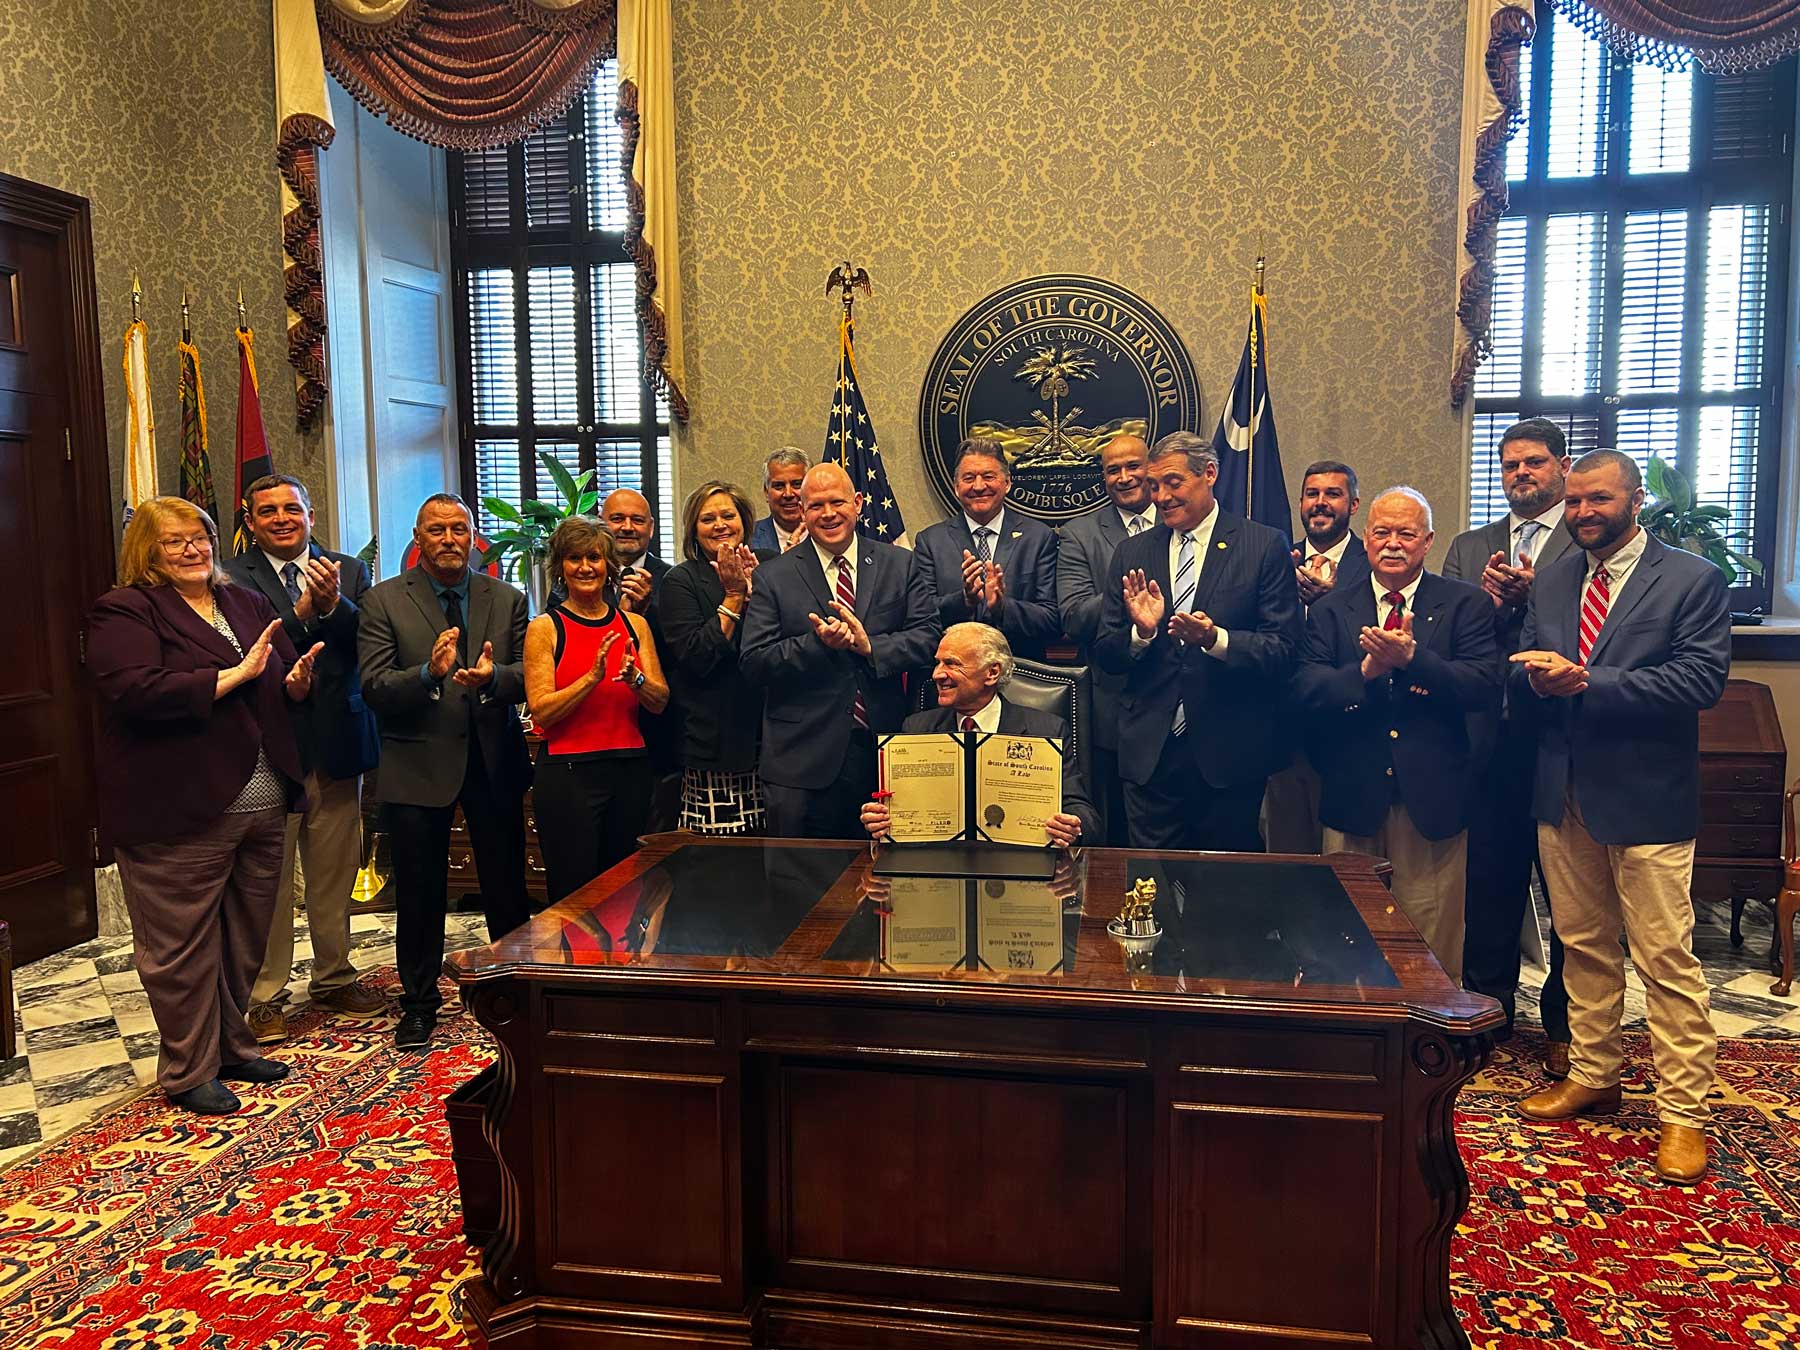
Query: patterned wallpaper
x=953, y=146
x=162, y=115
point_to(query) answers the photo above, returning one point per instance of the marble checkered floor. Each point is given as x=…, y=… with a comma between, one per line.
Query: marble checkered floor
x=88, y=1042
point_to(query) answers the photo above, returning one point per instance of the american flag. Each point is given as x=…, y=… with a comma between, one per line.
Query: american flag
x=850, y=441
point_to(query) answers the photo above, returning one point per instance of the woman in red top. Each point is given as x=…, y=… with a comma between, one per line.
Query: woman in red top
x=590, y=667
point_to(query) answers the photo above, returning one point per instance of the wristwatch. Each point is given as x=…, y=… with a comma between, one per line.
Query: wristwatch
x=637, y=681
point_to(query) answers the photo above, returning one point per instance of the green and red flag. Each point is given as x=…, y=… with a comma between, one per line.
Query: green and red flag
x=196, y=467
x=252, y=446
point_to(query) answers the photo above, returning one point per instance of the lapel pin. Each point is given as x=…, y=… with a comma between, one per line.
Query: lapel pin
x=1017, y=533
x=1220, y=544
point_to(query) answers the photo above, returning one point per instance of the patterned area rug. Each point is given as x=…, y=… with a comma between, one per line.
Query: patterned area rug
x=325, y=1215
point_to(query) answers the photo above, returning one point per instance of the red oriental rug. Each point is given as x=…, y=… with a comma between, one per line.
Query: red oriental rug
x=325, y=1215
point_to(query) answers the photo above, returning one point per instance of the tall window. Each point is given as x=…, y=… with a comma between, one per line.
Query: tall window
x=551, y=358
x=1641, y=275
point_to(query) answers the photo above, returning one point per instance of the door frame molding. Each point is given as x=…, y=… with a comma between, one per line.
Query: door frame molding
x=70, y=218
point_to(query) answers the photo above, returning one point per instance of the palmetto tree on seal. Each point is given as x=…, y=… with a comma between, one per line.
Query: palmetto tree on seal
x=1049, y=370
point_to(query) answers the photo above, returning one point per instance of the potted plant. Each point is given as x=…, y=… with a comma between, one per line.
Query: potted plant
x=523, y=546
x=1680, y=523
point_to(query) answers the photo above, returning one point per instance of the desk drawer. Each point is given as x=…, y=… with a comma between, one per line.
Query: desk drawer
x=1721, y=881
x=1727, y=773
x=1740, y=841
x=1740, y=808
x=936, y=1037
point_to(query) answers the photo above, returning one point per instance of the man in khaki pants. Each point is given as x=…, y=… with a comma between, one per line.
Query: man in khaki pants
x=316, y=595
x=1625, y=642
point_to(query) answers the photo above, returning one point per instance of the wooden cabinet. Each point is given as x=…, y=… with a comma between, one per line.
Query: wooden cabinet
x=1742, y=760
x=462, y=860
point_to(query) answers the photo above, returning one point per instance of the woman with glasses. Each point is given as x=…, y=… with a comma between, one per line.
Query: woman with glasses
x=198, y=770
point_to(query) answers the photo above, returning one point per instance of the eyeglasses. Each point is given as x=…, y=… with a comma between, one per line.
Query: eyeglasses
x=200, y=543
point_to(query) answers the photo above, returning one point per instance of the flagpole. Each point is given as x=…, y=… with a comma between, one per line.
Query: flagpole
x=187, y=333
x=1256, y=291
x=846, y=277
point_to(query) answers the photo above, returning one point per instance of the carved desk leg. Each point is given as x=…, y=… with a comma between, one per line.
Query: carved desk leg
x=500, y=1005
x=1437, y=1190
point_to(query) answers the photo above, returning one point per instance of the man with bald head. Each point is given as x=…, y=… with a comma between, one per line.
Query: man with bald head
x=1083, y=577
x=829, y=630
x=1391, y=671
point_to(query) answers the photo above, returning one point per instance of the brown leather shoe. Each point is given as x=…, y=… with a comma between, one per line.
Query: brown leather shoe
x=1569, y=1098
x=268, y=1023
x=1681, y=1154
x=355, y=999
x=1556, y=1060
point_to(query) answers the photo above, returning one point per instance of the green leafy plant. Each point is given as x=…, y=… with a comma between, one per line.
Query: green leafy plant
x=1678, y=521
x=522, y=547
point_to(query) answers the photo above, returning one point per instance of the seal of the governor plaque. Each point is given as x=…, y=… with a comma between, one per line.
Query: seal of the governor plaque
x=1050, y=369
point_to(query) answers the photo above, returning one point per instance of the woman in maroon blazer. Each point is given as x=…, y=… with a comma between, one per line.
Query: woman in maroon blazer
x=198, y=770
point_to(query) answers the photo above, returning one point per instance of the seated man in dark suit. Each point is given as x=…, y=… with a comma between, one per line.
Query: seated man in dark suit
x=317, y=594
x=830, y=628
x=1391, y=671
x=1203, y=621
x=973, y=667
x=989, y=564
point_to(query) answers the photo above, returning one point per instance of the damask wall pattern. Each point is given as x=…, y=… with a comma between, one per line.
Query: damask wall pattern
x=161, y=113
x=953, y=146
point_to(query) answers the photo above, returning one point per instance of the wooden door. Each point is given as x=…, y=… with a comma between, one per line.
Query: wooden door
x=55, y=549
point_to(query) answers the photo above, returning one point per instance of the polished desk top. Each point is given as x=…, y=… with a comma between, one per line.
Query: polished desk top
x=1290, y=930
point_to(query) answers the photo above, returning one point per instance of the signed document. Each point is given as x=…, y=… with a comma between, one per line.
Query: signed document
x=923, y=776
x=1018, y=785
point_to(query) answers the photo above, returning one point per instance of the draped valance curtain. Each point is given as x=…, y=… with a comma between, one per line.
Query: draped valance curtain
x=471, y=75
x=1721, y=36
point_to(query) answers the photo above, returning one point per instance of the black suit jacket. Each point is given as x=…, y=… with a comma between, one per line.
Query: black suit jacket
x=1402, y=737
x=808, y=687
x=1629, y=748
x=1234, y=705
x=1353, y=567
x=721, y=711
x=1020, y=721
x=662, y=731
x=1084, y=575
x=334, y=728
x=1026, y=552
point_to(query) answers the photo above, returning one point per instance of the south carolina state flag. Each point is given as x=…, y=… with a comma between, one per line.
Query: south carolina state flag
x=1250, y=481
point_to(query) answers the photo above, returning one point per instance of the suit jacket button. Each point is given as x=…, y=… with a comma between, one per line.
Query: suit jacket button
x=1390, y=771
x=1393, y=735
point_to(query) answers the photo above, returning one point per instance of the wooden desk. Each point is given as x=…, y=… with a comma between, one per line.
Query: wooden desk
x=745, y=1099
x=1742, y=761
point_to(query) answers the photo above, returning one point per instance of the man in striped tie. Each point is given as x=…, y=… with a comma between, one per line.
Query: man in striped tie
x=1203, y=621
x=1625, y=643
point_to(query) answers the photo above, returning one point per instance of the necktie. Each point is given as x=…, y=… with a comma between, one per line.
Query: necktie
x=846, y=594
x=1135, y=526
x=1527, y=532
x=968, y=723
x=290, y=580
x=1185, y=576
x=1396, y=607
x=453, y=618
x=983, y=551
x=1593, y=610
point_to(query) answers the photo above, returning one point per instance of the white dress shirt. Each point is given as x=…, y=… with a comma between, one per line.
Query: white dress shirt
x=828, y=561
x=1202, y=535
x=1407, y=592
x=1335, y=553
x=1620, y=566
x=1515, y=522
x=987, y=719
x=1146, y=519
x=996, y=525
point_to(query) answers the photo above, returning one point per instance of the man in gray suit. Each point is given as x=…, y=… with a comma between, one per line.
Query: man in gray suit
x=441, y=651
x=1084, y=576
x=1504, y=557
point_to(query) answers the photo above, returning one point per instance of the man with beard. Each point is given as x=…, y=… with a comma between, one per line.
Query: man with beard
x=783, y=474
x=1084, y=575
x=1329, y=554
x=1625, y=643
x=441, y=650
x=1391, y=671
x=1504, y=557
x=627, y=515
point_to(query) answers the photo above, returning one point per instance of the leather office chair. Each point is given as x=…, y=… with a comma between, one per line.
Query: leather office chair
x=1062, y=690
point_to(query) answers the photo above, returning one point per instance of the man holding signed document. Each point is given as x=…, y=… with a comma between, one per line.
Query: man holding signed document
x=974, y=663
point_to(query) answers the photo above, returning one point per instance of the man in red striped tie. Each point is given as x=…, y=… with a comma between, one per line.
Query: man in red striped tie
x=1625, y=642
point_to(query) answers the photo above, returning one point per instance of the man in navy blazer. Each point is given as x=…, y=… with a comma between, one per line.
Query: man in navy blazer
x=831, y=627
x=784, y=478
x=990, y=564
x=1084, y=577
x=1625, y=643
x=974, y=666
x=316, y=594
x=1391, y=672
x=1206, y=659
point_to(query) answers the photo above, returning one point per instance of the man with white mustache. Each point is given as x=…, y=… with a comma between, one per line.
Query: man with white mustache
x=1388, y=677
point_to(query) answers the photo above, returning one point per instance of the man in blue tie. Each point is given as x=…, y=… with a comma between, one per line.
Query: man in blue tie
x=1203, y=621
x=318, y=595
